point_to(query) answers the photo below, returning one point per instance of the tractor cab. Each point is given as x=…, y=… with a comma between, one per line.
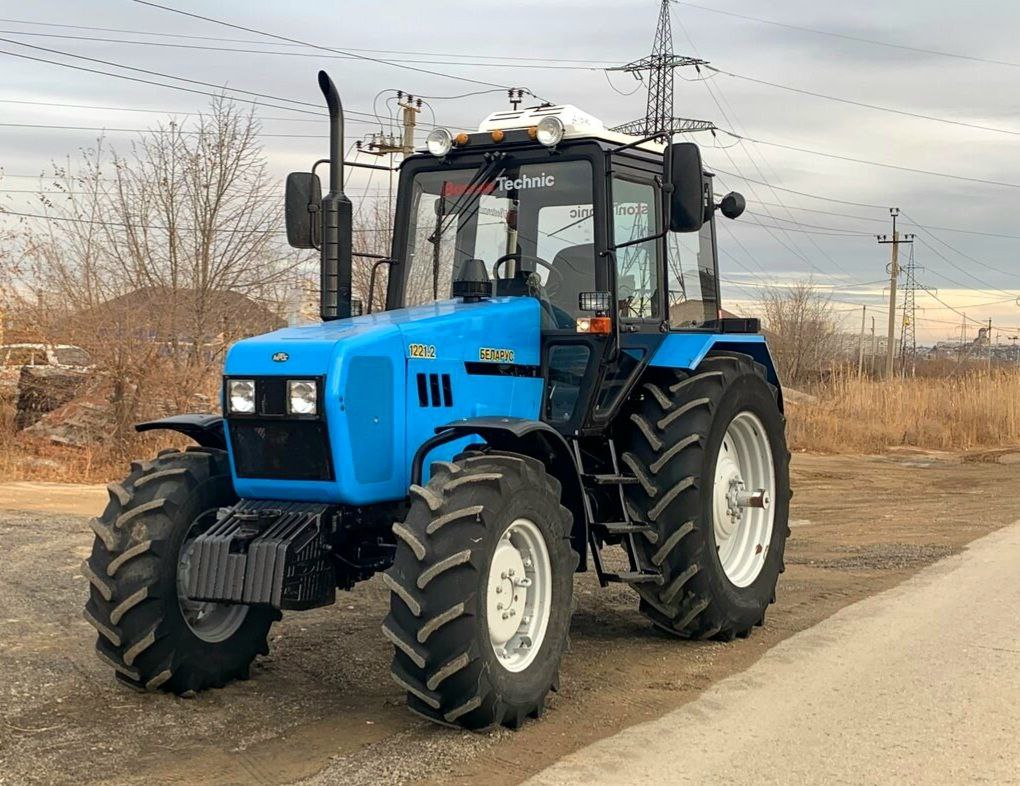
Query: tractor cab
x=558, y=208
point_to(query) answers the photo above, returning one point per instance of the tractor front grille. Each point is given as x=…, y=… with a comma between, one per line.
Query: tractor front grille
x=281, y=449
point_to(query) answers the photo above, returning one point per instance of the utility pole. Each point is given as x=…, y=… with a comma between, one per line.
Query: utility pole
x=989, y=343
x=386, y=144
x=860, y=347
x=873, y=339
x=894, y=272
x=660, y=65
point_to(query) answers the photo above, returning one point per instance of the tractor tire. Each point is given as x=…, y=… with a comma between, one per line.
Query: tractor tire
x=455, y=594
x=153, y=639
x=685, y=434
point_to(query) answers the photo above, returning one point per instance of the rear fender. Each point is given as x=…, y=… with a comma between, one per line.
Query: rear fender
x=687, y=350
x=529, y=438
x=206, y=430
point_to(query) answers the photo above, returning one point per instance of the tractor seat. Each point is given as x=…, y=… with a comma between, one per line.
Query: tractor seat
x=576, y=267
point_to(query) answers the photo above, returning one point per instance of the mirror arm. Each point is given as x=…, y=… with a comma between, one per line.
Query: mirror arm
x=371, y=279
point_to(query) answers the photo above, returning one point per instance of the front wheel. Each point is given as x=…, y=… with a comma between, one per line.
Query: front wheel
x=150, y=632
x=481, y=591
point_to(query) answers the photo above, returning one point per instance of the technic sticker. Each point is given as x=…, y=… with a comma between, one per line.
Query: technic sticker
x=422, y=351
x=494, y=355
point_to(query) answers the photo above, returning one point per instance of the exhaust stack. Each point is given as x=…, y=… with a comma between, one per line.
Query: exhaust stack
x=337, y=218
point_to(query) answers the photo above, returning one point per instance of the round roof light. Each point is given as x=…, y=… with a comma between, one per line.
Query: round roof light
x=439, y=142
x=550, y=131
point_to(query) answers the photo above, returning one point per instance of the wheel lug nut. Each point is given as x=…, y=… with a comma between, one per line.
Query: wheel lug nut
x=503, y=575
x=510, y=572
x=499, y=607
x=506, y=616
x=499, y=590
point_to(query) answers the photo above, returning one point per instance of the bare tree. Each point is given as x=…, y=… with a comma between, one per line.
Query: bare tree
x=156, y=258
x=802, y=331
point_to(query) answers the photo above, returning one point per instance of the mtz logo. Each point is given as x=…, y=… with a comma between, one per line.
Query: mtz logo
x=281, y=357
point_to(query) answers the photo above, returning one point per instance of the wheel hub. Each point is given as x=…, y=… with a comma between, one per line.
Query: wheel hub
x=211, y=622
x=518, y=595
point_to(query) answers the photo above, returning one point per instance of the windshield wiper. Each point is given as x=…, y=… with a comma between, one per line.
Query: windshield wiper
x=484, y=175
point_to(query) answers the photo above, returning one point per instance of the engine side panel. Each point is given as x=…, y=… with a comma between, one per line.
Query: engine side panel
x=389, y=381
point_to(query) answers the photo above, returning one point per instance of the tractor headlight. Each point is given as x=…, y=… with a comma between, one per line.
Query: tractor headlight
x=550, y=131
x=241, y=396
x=439, y=142
x=302, y=397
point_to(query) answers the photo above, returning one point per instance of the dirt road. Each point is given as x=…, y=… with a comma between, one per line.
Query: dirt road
x=938, y=702
x=322, y=707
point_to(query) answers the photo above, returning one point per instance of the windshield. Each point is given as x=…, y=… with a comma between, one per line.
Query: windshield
x=542, y=212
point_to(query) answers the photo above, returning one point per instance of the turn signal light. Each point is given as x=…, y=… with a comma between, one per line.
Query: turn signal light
x=533, y=133
x=498, y=135
x=601, y=326
x=461, y=139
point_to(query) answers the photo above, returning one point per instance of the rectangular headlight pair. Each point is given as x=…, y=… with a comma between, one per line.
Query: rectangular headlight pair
x=302, y=396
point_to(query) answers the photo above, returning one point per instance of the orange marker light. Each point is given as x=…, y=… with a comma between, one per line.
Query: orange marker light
x=498, y=135
x=601, y=326
x=533, y=132
x=461, y=139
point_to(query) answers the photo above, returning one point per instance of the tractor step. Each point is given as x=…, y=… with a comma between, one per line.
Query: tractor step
x=609, y=480
x=636, y=577
x=624, y=527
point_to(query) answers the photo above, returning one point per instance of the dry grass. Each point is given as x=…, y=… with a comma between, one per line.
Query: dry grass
x=977, y=409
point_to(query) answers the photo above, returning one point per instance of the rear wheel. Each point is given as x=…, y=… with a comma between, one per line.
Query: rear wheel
x=710, y=452
x=481, y=591
x=150, y=632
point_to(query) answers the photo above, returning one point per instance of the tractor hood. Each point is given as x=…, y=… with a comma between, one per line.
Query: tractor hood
x=388, y=380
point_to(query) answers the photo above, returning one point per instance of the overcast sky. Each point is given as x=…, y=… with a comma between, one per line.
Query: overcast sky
x=969, y=271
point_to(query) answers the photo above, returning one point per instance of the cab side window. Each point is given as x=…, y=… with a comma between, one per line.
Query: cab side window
x=690, y=267
x=637, y=267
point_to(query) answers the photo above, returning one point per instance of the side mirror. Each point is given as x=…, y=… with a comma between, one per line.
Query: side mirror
x=733, y=205
x=687, y=203
x=301, y=207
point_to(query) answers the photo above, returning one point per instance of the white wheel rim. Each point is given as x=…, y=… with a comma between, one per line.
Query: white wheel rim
x=519, y=595
x=743, y=493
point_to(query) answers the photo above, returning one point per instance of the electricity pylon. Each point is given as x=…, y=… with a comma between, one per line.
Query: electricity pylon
x=660, y=64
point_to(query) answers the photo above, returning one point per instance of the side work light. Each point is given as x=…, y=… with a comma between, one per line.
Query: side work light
x=439, y=142
x=550, y=131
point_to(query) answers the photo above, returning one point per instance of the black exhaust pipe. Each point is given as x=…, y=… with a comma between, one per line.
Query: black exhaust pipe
x=337, y=218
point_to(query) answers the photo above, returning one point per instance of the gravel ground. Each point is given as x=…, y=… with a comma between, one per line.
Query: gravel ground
x=321, y=708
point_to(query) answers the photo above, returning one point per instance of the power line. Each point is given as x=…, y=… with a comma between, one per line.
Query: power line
x=351, y=56
x=864, y=104
x=149, y=81
x=883, y=164
x=477, y=56
x=847, y=37
x=368, y=58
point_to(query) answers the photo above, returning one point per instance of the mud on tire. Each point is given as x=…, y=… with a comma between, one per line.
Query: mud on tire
x=672, y=432
x=443, y=656
x=133, y=603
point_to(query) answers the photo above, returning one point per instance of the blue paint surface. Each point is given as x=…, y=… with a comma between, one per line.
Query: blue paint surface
x=372, y=408
x=687, y=350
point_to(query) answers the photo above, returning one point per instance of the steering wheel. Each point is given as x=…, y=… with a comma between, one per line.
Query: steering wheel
x=552, y=286
x=555, y=316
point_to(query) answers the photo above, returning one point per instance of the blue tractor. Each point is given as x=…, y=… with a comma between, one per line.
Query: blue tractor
x=551, y=376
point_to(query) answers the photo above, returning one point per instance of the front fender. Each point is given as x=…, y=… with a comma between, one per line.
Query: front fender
x=205, y=429
x=529, y=438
